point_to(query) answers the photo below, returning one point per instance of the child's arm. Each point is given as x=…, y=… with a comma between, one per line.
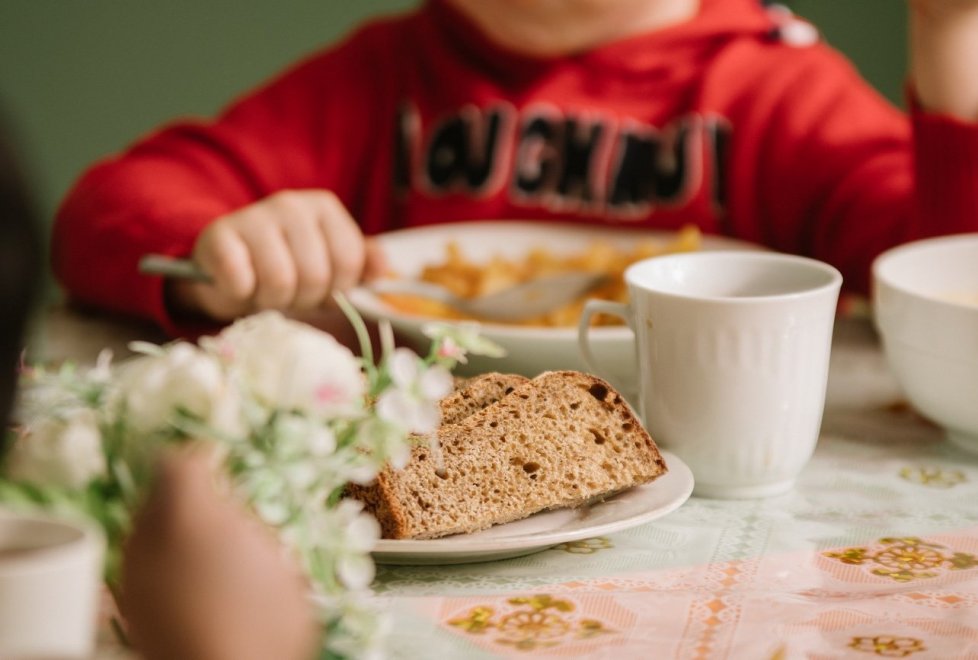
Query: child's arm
x=199, y=573
x=944, y=56
x=821, y=164
x=304, y=132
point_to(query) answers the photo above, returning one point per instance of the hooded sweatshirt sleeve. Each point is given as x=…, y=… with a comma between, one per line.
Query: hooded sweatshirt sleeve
x=159, y=194
x=825, y=166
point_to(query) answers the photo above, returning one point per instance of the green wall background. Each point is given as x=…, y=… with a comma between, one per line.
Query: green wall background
x=81, y=79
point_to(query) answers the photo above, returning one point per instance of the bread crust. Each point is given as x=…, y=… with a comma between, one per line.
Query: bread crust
x=559, y=440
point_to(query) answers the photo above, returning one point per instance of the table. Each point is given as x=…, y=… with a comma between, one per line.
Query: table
x=874, y=554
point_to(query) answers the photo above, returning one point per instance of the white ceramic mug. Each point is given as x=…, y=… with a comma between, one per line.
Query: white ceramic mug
x=50, y=576
x=733, y=355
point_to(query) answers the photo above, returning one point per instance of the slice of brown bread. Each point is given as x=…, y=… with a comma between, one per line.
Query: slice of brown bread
x=476, y=393
x=470, y=395
x=561, y=439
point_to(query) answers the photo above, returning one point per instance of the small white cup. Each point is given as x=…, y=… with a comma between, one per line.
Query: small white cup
x=733, y=354
x=50, y=576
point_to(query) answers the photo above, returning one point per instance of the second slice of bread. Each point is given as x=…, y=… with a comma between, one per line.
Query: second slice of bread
x=476, y=393
x=559, y=440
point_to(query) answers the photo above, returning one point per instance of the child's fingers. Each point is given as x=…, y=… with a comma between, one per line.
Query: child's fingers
x=375, y=260
x=311, y=256
x=223, y=254
x=347, y=252
x=271, y=256
x=288, y=251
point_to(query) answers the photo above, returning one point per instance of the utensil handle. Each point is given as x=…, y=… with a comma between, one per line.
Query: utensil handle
x=592, y=307
x=159, y=264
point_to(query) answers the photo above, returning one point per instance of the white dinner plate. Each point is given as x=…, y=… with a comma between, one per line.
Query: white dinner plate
x=625, y=510
x=530, y=350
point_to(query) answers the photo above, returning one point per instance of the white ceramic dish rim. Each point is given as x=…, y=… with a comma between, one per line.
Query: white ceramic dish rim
x=73, y=538
x=884, y=264
x=833, y=278
x=371, y=306
x=679, y=477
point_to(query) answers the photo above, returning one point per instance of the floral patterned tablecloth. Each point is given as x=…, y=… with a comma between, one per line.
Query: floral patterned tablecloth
x=873, y=554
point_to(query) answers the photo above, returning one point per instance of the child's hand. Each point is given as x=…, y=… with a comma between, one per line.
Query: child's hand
x=943, y=50
x=203, y=579
x=289, y=251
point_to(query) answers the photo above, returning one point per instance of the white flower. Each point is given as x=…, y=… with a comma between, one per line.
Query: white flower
x=381, y=440
x=287, y=405
x=412, y=400
x=102, y=371
x=455, y=340
x=39, y=401
x=452, y=350
x=59, y=451
x=273, y=512
x=290, y=365
x=153, y=388
x=357, y=627
x=355, y=567
x=309, y=435
x=347, y=535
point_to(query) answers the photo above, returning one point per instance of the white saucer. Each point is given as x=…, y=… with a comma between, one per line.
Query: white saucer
x=544, y=530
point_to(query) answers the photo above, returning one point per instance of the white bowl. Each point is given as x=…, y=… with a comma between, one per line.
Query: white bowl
x=530, y=350
x=929, y=333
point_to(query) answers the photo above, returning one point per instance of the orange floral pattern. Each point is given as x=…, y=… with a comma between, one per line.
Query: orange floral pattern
x=540, y=621
x=933, y=477
x=888, y=646
x=906, y=558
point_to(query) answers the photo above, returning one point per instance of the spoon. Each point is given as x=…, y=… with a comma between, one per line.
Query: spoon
x=515, y=303
x=521, y=301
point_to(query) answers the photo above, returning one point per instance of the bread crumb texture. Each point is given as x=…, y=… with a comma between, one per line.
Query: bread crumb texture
x=512, y=447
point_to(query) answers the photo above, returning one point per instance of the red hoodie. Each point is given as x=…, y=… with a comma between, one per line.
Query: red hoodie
x=420, y=119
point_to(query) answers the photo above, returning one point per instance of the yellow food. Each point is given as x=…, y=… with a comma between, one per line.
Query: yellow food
x=470, y=279
x=962, y=297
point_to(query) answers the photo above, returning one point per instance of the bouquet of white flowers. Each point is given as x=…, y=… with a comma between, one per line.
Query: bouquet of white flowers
x=297, y=416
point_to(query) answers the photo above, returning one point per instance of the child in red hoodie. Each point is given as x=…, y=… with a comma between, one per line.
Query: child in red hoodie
x=640, y=113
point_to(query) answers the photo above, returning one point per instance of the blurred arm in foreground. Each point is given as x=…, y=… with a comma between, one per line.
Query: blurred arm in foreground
x=202, y=580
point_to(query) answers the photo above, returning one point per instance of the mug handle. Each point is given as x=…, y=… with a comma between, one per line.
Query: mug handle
x=592, y=307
